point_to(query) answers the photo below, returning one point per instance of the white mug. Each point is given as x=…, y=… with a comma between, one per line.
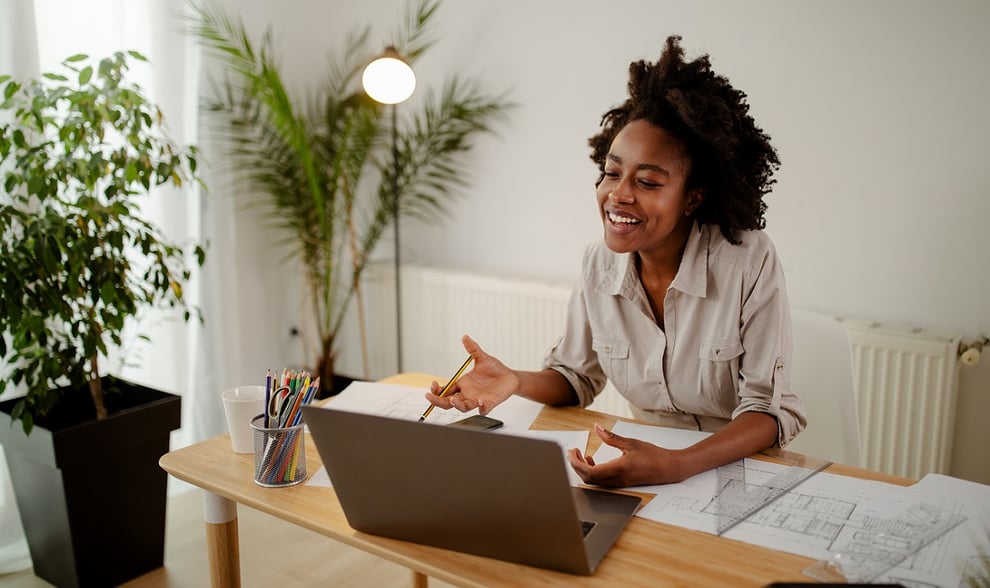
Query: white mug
x=241, y=404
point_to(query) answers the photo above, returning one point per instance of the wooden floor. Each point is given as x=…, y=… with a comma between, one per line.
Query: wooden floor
x=295, y=557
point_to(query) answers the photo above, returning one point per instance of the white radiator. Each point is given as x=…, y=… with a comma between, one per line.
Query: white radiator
x=905, y=379
x=514, y=320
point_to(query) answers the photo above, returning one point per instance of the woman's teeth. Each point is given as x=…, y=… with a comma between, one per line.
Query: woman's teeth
x=622, y=219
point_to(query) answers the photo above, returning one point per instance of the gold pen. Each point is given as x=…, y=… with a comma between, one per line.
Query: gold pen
x=447, y=387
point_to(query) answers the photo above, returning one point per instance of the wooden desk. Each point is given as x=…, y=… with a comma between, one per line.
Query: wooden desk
x=648, y=553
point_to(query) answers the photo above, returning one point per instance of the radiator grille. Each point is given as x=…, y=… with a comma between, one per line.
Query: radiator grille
x=516, y=320
x=906, y=381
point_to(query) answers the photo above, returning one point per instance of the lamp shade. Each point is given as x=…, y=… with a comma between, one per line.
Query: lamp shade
x=388, y=79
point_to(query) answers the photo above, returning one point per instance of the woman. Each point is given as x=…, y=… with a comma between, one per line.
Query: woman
x=683, y=305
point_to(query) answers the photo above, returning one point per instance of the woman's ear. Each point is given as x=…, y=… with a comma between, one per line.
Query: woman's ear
x=694, y=199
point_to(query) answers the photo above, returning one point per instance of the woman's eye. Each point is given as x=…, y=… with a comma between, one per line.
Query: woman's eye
x=648, y=185
x=611, y=174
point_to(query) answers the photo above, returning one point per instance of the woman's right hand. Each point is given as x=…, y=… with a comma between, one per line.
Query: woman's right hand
x=486, y=386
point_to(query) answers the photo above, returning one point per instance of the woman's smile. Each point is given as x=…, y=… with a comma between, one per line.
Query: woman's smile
x=621, y=222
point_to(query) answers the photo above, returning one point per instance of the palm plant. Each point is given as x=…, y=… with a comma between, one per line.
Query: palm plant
x=326, y=166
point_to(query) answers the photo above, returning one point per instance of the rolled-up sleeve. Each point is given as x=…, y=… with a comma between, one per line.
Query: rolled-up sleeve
x=765, y=330
x=573, y=355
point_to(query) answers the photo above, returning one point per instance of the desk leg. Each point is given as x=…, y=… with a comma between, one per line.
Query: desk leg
x=221, y=541
x=420, y=580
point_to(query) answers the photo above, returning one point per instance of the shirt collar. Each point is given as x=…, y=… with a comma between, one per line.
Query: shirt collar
x=692, y=275
x=620, y=277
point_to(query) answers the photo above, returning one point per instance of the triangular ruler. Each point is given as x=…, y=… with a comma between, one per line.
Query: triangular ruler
x=737, y=498
x=862, y=555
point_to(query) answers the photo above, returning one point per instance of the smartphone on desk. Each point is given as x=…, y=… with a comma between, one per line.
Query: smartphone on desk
x=477, y=421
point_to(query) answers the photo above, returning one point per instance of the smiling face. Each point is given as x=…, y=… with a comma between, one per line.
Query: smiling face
x=642, y=197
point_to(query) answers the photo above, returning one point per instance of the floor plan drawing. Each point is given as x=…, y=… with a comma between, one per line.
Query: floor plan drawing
x=820, y=518
x=829, y=515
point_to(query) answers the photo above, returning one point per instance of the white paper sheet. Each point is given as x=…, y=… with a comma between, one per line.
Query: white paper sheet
x=320, y=478
x=408, y=402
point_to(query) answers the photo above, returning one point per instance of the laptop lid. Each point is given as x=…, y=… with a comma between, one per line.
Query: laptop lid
x=491, y=494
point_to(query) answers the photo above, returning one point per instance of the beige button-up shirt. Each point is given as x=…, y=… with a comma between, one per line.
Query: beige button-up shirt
x=725, y=348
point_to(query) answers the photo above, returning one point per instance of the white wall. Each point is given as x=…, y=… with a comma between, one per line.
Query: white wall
x=877, y=108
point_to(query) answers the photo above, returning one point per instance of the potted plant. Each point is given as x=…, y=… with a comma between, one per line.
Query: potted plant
x=77, y=152
x=326, y=163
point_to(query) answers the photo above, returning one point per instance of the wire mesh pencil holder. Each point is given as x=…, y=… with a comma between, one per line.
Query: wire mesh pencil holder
x=279, y=454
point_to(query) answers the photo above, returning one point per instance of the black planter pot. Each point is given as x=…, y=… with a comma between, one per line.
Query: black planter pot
x=90, y=493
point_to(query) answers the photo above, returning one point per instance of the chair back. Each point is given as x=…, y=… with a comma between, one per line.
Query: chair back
x=822, y=377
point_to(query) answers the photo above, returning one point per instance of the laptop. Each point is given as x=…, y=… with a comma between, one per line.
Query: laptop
x=480, y=492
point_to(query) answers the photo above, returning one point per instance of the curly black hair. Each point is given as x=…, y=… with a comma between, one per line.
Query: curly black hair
x=732, y=160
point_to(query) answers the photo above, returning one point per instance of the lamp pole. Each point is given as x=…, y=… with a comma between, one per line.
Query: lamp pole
x=395, y=212
x=388, y=79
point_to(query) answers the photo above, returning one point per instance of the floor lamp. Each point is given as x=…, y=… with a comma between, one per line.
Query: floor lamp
x=388, y=79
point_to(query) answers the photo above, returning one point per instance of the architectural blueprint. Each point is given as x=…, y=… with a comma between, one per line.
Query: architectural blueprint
x=817, y=518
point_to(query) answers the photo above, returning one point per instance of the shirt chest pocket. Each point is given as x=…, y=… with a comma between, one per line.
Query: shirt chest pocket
x=613, y=357
x=719, y=366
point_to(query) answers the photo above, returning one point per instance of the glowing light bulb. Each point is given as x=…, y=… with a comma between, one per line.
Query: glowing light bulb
x=388, y=79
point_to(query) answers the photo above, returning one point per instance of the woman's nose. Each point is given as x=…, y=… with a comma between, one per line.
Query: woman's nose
x=621, y=193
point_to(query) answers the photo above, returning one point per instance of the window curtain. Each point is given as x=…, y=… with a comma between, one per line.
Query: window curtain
x=18, y=57
x=189, y=359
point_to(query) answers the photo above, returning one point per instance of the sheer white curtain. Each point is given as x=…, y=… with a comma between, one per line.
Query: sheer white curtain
x=18, y=57
x=186, y=359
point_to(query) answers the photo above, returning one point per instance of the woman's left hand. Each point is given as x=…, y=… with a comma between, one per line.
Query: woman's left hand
x=641, y=463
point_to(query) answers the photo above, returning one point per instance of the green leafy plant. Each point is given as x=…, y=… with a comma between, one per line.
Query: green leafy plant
x=77, y=151
x=326, y=162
